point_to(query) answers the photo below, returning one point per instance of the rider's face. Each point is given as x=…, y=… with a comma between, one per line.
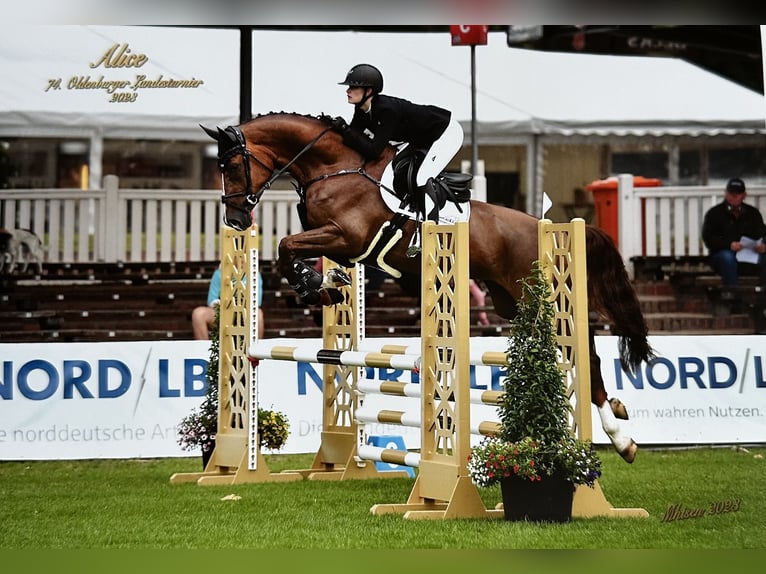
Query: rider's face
x=355, y=94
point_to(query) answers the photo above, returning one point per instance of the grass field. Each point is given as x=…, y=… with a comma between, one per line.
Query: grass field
x=130, y=504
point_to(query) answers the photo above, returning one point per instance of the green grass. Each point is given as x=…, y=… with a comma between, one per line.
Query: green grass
x=130, y=504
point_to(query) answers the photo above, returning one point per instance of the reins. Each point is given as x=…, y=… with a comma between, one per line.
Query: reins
x=241, y=148
x=253, y=198
x=277, y=174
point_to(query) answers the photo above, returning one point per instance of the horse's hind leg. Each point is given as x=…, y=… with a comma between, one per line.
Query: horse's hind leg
x=622, y=443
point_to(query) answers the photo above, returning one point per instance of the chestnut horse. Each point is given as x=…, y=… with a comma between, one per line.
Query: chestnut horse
x=342, y=212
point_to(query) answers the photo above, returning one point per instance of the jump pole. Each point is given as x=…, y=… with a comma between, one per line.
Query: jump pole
x=562, y=255
x=237, y=456
x=343, y=329
x=443, y=487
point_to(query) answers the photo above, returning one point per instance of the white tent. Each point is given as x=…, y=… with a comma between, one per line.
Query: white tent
x=56, y=81
x=522, y=95
x=518, y=91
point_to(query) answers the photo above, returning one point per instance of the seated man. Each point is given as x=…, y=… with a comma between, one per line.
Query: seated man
x=724, y=228
x=204, y=315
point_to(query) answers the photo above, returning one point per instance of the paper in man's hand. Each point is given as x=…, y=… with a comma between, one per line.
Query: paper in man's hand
x=748, y=254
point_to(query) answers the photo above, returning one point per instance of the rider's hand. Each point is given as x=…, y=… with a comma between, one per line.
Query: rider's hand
x=338, y=124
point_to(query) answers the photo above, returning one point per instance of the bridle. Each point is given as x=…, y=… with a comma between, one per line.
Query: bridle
x=240, y=148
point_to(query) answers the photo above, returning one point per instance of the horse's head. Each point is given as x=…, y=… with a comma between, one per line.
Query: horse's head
x=236, y=162
x=277, y=143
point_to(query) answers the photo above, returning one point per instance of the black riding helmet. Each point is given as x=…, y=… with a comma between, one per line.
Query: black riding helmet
x=364, y=76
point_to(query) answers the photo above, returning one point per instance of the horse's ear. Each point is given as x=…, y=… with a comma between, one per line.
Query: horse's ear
x=210, y=132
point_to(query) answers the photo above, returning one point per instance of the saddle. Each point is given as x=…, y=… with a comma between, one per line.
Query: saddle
x=447, y=186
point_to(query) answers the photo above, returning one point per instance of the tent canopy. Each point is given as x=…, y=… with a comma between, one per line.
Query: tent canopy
x=62, y=84
x=519, y=92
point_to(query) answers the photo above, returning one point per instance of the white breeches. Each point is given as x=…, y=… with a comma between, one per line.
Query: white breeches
x=436, y=159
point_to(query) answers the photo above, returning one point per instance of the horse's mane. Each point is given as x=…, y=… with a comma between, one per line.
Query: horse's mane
x=322, y=117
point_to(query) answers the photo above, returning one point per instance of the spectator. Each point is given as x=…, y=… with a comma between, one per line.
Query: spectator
x=478, y=300
x=204, y=315
x=724, y=229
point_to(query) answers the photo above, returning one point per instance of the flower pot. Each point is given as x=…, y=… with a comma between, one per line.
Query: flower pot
x=206, y=454
x=546, y=500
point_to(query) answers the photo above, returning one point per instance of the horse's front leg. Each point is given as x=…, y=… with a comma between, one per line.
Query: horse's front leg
x=609, y=410
x=307, y=282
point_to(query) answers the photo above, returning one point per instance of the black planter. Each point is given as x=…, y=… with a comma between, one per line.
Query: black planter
x=546, y=500
x=206, y=454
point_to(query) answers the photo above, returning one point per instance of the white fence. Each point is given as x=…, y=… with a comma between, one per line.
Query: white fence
x=153, y=225
x=148, y=225
x=667, y=221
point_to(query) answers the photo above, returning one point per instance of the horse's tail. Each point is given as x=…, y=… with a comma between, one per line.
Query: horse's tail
x=611, y=293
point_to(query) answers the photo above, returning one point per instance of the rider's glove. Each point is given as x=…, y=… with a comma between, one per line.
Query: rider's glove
x=338, y=124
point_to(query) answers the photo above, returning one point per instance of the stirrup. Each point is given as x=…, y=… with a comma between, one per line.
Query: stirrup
x=414, y=247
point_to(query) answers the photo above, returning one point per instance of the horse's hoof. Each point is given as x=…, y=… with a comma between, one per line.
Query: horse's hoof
x=336, y=278
x=629, y=454
x=329, y=297
x=618, y=408
x=335, y=296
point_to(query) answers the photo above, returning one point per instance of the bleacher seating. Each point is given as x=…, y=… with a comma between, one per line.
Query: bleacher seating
x=101, y=302
x=389, y=312
x=131, y=301
x=699, y=291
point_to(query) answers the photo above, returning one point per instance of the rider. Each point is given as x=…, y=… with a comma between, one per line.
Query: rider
x=380, y=119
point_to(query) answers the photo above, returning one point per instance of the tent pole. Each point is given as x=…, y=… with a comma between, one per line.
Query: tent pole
x=474, y=143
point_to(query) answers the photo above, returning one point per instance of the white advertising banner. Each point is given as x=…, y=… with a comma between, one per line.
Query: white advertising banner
x=698, y=390
x=98, y=400
x=124, y=400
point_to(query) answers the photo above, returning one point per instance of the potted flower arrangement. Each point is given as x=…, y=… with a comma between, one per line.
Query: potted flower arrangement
x=198, y=428
x=535, y=457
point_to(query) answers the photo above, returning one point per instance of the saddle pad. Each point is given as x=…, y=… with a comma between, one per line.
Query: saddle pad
x=450, y=213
